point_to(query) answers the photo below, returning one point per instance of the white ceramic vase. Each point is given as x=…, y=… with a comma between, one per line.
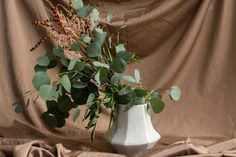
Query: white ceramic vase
x=132, y=131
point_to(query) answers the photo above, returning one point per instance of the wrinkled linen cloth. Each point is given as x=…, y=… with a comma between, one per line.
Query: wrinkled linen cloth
x=189, y=43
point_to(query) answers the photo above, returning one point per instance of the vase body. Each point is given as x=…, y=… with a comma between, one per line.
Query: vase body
x=132, y=131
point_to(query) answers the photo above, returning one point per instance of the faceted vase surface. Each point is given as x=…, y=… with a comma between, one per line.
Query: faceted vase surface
x=132, y=131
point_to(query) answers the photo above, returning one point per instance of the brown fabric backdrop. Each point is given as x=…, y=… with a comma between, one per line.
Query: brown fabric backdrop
x=190, y=43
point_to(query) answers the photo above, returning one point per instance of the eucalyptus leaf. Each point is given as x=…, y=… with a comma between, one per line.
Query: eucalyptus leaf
x=137, y=75
x=77, y=4
x=109, y=16
x=51, y=56
x=76, y=65
x=48, y=92
x=39, y=79
x=99, y=35
x=80, y=66
x=90, y=99
x=43, y=61
x=52, y=64
x=79, y=85
x=95, y=15
x=64, y=62
x=76, y=114
x=154, y=93
x=99, y=64
x=60, y=120
x=85, y=11
x=175, y=93
x=38, y=68
x=65, y=104
x=19, y=109
x=157, y=105
x=80, y=95
x=116, y=78
x=125, y=90
x=86, y=38
x=139, y=100
x=97, y=77
x=65, y=81
x=49, y=120
x=101, y=76
x=94, y=49
x=120, y=48
x=140, y=92
x=75, y=47
x=128, y=78
x=125, y=55
x=60, y=90
x=51, y=106
x=72, y=63
x=58, y=52
x=118, y=65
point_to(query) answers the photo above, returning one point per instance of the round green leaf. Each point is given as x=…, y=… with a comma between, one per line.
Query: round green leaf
x=60, y=120
x=94, y=49
x=39, y=79
x=175, y=93
x=125, y=55
x=48, y=92
x=80, y=66
x=52, y=64
x=101, y=76
x=65, y=81
x=128, y=78
x=65, y=104
x=116, y=78
x=99, y=64
x=58, y=52
x=154, y=93
x=140, y=92
x=72, y=63
x=43, y=61
x=75, y=47
x=90, y=99
x=51, y=106
x=79, y=85
x=78, y=4
x=76, y=114
x=118, y=65
x=38, y=68
x=137, y=75
x=120, y=48
x=157, y=105
x=64, y=62
x=99, y=35
x=97, y=77
x=109, y=16
x=139, y=100
x=125, y=90
x=86, y=38
x=19, y=109
x=85, y=11
x=95, y=15
x=49, y=120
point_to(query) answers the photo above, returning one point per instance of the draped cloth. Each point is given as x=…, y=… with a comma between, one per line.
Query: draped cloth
x=186, y=43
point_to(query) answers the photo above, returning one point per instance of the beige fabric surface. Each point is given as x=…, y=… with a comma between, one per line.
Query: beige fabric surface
x=190, y=43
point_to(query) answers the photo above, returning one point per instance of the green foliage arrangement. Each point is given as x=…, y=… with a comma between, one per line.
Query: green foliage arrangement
x=91, y=64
